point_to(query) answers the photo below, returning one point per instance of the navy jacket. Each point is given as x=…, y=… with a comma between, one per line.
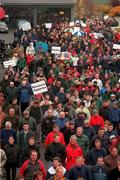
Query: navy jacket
x=5, y=134
x=77, y=172
x=94, y=154
x=114, y=115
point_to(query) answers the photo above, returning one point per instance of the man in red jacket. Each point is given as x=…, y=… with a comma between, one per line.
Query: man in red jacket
x=73, y=150
x=96, y=121
x=31, y=167
x=50, y=136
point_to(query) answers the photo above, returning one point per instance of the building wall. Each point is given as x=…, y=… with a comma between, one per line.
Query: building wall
x=40, y=2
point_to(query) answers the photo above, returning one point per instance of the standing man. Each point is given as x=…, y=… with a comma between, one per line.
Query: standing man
x=100, y=171
x=80, y=170
x=29, y=120
x=36, y=113
x=25, y=93
x=23, y=138
x=30, y=167
x=82, y=140
x=55, y=149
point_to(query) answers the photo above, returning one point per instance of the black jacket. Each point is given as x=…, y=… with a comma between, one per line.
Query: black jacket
x=55, y=149
x=28, y=149
x=94, y=154
x=12, y=153
x=47, y=125
x=68, y=133
x=114, y=174
x=36, y=113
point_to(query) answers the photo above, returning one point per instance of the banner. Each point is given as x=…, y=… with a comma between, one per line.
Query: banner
x=9, y=63
x=55, y=50
x=26, y=26
x=39, y=87
x=116, y=46
x=42, y=45
x=48, y=25
x=83, y=24
x=71, y=23
x=76, y=29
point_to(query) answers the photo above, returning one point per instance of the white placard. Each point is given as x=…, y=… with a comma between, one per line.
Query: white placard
x=116, y=46
x=9, y=63
x=71, y=23
x=48, y=25
x=83, y=24
x=26, y=26
x=39, y=87
x=55, y=50
x=76, y=29
x=106, y=17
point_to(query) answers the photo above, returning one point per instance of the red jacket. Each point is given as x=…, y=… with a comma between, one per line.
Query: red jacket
x=50, y=138
x=29, y=59
x=97, y=120
x=26, y=164
x=72, y=153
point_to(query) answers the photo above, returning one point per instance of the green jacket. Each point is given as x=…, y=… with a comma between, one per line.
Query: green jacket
x=11, y=93
x=31, y=121
x=84, y=142
x=21, y=63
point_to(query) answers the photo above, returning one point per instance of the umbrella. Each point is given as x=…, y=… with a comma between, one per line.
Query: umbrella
x=2, y=13
x=64, y=56
x=78, y=33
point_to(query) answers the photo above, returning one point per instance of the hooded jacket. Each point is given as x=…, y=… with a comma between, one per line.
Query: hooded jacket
x=72, y=152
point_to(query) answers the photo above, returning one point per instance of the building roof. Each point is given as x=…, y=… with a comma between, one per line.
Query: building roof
x=39, y=2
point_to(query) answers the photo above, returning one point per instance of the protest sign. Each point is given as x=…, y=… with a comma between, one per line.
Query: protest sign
x=55, y=50
x=116, y=46
x=71, y=23
x=9, y=63
x=39, y=87
x=48, y=25
x=76, y=29
x=26, y=26
x=83, y=24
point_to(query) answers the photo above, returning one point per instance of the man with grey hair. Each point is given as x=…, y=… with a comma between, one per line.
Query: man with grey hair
x=72, y=151
x=6, y=133
x=82, y=140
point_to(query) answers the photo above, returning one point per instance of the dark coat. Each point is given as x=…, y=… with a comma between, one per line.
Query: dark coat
x=83, y=171
x=114, y=174
x=68, y=133
x=55, y=149
x=100, y=173
x=104, y=141
x=36, y=113
x=26, y=153
x=94, y=154
x=5, y=134
x=21, y=140
x=47, y=125
x=12, y=153
x=89, y=131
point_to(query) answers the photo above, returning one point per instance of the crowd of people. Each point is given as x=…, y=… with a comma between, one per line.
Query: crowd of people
x=76, y=123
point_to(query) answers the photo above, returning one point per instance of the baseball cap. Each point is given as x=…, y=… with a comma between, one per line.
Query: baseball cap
x=112, y=136
x=112, y=94
x=95, y=111
x=86, y=121
x=26, y=112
